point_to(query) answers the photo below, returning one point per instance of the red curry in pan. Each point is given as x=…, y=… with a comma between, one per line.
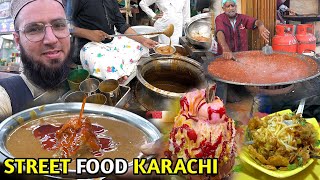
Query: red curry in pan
x=253, y=67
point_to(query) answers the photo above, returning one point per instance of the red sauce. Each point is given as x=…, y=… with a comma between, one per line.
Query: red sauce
x=191, y=133
x=256, y=68
x=190, y=117
x=183, y=102
x=220, y=111
x=208, y=149
x=47, y=136
x=223, y=151
x=187, y=153
x=199, y=107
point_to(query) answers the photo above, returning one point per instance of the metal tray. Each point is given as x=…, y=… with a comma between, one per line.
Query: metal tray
x=125, y=96
x=132, y=75
x=14, y=121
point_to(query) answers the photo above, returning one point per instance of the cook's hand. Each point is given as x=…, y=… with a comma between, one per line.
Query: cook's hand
x=149, y=43
x=98, y=35
x=152, y=148
x=158, y=16
x=122, y=79
x=227, y=55
x=264, y=33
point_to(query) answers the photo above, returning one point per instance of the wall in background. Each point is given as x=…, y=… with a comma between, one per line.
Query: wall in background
x=305, y=6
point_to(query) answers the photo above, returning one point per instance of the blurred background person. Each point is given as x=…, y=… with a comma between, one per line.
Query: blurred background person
x=105, y=57
x=231, y=29
x=282, y=9
x=231, y=34
x=176, y=12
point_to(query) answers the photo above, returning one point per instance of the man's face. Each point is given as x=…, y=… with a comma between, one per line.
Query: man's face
x=230, y=8
x=50, y=54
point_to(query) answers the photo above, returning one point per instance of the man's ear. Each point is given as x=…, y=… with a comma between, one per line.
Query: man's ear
x=16, y=38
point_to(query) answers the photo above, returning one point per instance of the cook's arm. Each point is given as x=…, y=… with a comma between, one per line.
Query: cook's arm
x=144, y=41
x=144, y=4
x=263, y=30
x=92, y=35
x=226, y=52
x=186, y=12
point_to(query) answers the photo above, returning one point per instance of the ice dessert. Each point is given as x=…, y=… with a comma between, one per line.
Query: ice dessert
x=203, y=130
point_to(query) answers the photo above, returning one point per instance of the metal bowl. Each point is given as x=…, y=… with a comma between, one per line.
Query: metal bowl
x=162, y=45
x=180, y=50
x=199, y=24
x=11, y=123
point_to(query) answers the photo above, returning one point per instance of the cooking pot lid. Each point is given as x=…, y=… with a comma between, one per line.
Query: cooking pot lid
x=253, y=68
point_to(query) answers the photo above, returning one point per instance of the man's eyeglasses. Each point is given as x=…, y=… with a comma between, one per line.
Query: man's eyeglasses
x=36, y=31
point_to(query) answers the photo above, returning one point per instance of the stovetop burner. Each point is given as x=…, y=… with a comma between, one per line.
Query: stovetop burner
x=194, y=52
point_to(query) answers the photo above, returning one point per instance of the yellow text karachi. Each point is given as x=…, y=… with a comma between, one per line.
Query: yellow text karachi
x=166, y=166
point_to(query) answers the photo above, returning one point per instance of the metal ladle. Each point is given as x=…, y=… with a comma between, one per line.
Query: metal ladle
x=168, y=32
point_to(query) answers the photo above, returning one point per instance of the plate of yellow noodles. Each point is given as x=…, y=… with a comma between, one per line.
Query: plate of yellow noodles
x=281, y=143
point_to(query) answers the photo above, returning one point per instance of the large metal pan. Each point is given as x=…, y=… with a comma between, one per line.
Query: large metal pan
x=199, y=24
x=313, y=66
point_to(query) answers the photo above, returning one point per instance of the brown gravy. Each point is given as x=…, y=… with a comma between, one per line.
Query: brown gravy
x=165, y=50
x=201, y=38
x=22, y=143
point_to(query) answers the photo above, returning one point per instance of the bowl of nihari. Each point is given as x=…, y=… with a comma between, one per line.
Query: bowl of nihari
x=165, y=49
x=101, y=133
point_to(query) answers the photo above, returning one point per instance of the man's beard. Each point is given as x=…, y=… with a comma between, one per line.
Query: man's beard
x=231, y=14
x=45, y=77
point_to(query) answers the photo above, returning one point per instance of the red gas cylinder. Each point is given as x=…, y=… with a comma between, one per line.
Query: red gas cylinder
x=284, y=40
x=306, y=38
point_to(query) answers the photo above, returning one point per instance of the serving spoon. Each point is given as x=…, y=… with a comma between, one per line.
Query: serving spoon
x=167, y=32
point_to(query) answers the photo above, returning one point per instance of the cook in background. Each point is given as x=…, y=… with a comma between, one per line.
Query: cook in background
x=231, y=29
x=281, y=10
x=104, y=57
x=231, y=33
x=42, y=36
x=176, y=12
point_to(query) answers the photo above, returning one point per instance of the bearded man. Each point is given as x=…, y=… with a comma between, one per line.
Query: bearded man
x=43, y=38
x=231, y=29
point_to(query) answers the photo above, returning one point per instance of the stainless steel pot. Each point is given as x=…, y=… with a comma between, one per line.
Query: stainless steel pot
x=164, y=80
x=200, y=23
